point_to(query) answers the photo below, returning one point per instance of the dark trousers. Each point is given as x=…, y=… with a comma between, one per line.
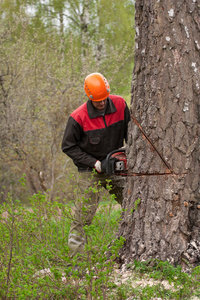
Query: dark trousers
x=91, y=189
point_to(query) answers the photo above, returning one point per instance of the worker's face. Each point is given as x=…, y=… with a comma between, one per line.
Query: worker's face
x=100, y=105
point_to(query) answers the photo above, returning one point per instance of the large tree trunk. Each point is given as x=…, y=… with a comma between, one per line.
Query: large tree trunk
x=165, y=101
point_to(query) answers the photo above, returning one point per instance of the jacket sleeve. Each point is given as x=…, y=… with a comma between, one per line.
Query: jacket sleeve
x=70, y=145
x=127, y=118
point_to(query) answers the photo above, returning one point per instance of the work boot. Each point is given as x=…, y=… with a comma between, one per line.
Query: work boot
x=76, y=244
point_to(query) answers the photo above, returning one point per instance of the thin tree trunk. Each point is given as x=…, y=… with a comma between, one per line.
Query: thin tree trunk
x=84, y=18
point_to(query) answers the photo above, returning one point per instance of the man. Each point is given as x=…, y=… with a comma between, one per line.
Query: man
x=94, y=129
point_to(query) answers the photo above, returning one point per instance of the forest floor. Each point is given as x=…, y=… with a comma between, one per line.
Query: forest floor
x=129, y=279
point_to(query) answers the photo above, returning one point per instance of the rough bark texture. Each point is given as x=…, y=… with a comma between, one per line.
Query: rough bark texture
x=165, y=101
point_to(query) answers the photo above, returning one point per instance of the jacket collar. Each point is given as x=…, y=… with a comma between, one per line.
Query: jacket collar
x=94, y=113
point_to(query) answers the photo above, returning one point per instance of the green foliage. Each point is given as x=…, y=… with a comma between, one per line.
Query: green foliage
x=43, y=66
x=137, y=202
x=116, y=30
x=35, y=238
x=34, y=260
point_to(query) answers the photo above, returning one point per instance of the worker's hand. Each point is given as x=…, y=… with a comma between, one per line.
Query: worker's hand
x=108, y=165
x=98, y=166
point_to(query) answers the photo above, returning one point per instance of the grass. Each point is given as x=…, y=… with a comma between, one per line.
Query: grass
x=35, y=239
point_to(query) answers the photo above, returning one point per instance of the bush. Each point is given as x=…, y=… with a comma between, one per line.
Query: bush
x=34, y=260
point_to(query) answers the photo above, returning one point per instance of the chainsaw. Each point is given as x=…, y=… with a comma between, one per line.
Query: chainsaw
x=116, y=163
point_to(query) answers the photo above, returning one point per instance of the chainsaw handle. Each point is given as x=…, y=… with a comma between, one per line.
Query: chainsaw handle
x=114, y=151
x=110, y=161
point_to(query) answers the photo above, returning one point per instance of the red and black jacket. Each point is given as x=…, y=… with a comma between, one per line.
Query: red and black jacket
x=90, y=135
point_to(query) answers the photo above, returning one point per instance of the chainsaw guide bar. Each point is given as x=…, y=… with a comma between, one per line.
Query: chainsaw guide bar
x=155, y=149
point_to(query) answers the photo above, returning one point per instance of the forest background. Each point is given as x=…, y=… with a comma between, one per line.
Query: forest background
x=46, y=50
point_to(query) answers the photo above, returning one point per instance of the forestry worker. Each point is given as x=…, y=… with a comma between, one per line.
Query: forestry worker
x=93, y=130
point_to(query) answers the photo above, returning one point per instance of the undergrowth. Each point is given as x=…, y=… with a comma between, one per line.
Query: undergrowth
x=34, y=260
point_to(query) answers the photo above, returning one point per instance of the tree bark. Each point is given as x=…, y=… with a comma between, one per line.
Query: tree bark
x=84, y=22
x=165, y=222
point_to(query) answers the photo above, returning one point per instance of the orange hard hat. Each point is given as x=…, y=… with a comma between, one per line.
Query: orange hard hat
x=96, y=87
